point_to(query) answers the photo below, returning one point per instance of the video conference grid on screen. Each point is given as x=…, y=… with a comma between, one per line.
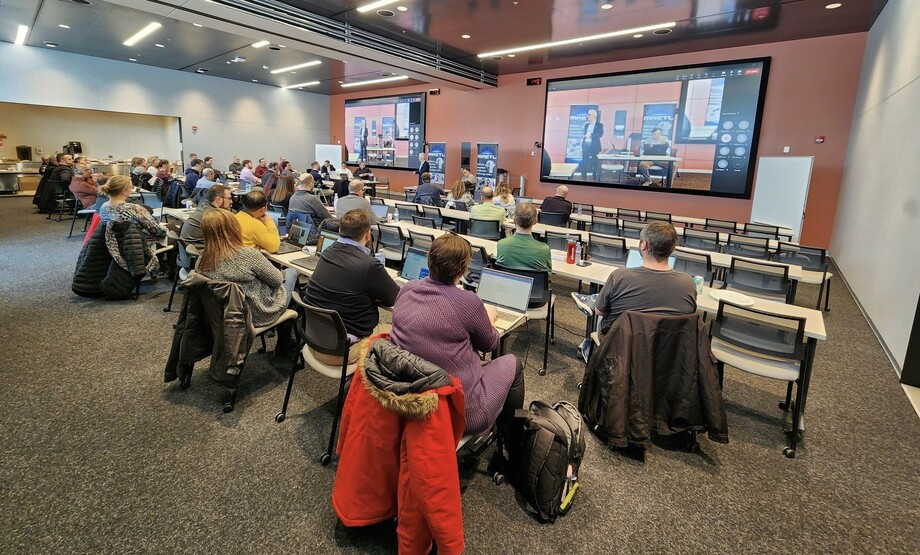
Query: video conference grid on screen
x=686, y=129
x=386, y=131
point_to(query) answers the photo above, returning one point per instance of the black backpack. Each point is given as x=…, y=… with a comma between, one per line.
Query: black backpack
x=550, y=455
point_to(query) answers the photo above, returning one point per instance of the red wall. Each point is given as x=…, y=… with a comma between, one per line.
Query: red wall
x=811, y=91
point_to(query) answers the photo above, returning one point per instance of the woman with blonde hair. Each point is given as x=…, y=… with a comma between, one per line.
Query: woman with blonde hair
x=503, y=196
x=284, y=190
x=458, y=193
x=117, y=209
x=267, y=289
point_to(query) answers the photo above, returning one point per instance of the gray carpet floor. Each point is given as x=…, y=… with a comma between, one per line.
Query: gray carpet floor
x=99, y=456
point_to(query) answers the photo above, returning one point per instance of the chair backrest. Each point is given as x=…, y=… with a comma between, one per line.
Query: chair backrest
x=407, y=209
x=721, y=225
x=519, y=200
x=485, y=229
x=761, y=230
x=420, y=240
x=629, y=213
x=478, y=261
x=323, y=330
x=701, y=239
x=460, y=205
x=540, y=293
x=760, y=331
x=390, y=236
x=279, y=208
x=558, y=241
x=383, y=180
x=631, y=228
x=761, y=279
x=657, y=217
x=585, y=208
x=693, y=263
x=424, y=222
x=809, y=258
x=410, y=195
x=434, y=213
x=553, y=218
x=376, y=200
x=605, y=225
x=515, y=191
x=743, y=245
x=609, y=250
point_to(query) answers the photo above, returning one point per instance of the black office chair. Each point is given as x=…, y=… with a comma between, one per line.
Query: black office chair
x=607, y=250
x=559, y=241
x=701, y=239
x=759, y=279
x=421, y=241
x=605, y=225
x=750, y=247
x=631, y=229
x=407, y=210
x=424, y=222
x=629, y=214
x=485, y=229
x=761, y=230
x=392, y=242
x=723, y=226
x=694, y=264
x=657, y=217
x=813, y=261
x=553, y=218
x=434, y=213
x=542, y=305
x=478, y=261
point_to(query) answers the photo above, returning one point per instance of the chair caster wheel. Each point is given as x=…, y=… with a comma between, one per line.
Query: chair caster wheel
x=279, y=418
x=541, y=371
x=783, y=406
x=165, y=309
x=228, y=407
x=789, y=452
x=498, y=479
x=325, y=459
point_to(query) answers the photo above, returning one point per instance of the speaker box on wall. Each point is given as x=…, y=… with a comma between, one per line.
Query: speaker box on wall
x=24, y=153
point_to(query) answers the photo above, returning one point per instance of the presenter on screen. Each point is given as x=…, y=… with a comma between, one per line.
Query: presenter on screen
x=363, y=141
x=591, y=146
x=656, y=145
x=423, y=166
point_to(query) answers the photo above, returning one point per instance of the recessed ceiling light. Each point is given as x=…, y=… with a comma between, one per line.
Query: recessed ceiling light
x=512, y=55
x=638, y=36
x=255, y=80
x=197, y=24
x=606, y=6
x=402, y=8
x=136, y=37
x=375, y=5
x=202, y=70
x=84, y=2
x=237, y=59
x=298, y=66
x=576, y=40
x=50, y=44
x=464, y=36
x=62, y=26
x=275, y=47
x=260, y=44
x=833, y=6
x=132, y=59
x=661, y=32
x=264, y=67
x=496, y=58
x=21, y=33
x=301, y=85
x=340, y=82
x=375, y=81
x=158, y=45
x=386, y=13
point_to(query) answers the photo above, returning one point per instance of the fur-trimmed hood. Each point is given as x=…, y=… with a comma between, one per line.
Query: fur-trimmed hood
x=402, y=382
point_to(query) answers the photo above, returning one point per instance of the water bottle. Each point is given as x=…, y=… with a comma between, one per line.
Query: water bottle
x=579, y=210
x=396, y=215
x=578, y=259
x=335, y=202
x=570, y=250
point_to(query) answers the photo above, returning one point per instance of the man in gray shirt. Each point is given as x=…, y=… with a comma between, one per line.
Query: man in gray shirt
x=653, y=287
x=354, y=200
x=305, y=201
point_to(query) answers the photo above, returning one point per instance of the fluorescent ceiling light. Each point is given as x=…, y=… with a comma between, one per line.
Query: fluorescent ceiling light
x=833, y=6
x=151, y=27
x=21, y=33
x=62, y=26
x=260, y=44
x=375, y=5
x=298, y=66
x=197, y=24
x=579, y=39
x=375, y=81
x=297, y=86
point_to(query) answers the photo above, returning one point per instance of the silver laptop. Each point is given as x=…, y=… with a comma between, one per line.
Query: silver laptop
x=415, y=266
x=508, y=293
x=297, y=236
x=634, y=260
x=380, y=210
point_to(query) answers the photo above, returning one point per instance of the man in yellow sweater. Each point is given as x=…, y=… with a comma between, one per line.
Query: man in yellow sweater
x=258, y=228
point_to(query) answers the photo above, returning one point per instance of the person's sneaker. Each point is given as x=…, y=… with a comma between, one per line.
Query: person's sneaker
x=183, y=273
x=585, y=303
x=586, y=349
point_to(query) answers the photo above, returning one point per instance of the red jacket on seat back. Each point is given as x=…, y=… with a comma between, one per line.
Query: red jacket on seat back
x=397, y=450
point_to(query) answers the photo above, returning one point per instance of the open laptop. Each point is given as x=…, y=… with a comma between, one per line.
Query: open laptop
x=508, y=293
x=656, y=150
x=381, y=210
x=297, y=236
x=325, y=240
x=634, y=260
x=415, y=266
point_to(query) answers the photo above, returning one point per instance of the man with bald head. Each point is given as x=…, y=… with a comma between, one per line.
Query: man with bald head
x=557, y=204
x=487, y=210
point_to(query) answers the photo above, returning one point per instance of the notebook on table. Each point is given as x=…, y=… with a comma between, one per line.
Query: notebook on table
x=508, y=293
x=415, y=266
x=297, y=236
x=634, y=260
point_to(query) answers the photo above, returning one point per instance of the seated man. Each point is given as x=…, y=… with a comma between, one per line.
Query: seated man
x=305, y=201
x=205, y=182
x=258, y=227
x=355, y=200
x=522, y=251
x=363, y=172
x=557, y=204
x=192, y=175
x=350, y=281
x=487, y=210
x=657, y=145
x=469, y=180
x=218, y=196
x=314, y=171
x=428, y=193
x=235, y=166
x=653, y=287
x=247, y=178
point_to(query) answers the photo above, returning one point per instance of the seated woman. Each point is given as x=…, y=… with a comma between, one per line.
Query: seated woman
x=458, y=193
x=446, y=325
x=83, y=186
x=267, y=289
x=118, y=188
x=503, y=196
x=283, y=191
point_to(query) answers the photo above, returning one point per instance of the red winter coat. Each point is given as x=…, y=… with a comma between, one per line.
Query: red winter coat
x=397, y=450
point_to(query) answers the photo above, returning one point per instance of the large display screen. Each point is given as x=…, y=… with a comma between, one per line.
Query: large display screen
x=690, y=129
x=386, y=131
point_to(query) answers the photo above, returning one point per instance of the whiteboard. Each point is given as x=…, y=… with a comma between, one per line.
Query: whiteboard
x=781, y=190
x=333, y=153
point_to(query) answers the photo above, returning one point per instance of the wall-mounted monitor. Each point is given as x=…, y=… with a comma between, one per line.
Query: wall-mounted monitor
x=386, y=131
x=689, y=129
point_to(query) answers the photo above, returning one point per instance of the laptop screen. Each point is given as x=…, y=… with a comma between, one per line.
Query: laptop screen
x=327, y=239
x=634, y=260
x=299, y=232
x=503, y=289
x=656, y=150
x=380, y=210
x=415, y=266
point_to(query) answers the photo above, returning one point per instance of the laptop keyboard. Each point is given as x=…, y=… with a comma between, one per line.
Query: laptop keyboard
x=507, y=316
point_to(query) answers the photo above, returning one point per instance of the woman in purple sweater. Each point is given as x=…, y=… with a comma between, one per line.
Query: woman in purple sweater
x=448, y=326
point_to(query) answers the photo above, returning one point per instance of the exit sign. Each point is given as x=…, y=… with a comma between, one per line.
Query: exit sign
x=534, y=81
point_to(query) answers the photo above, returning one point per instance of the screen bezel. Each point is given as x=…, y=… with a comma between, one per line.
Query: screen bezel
x=424, y=148
x=755, y=140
